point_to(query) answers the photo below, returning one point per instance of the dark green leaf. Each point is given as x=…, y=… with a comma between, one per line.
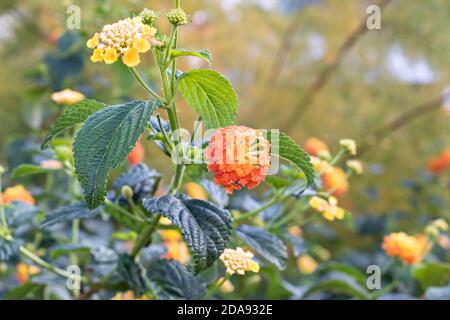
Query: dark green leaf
x=68, y=213
x=105, y=141
x=211, y=96
x=170, y=280
x=8, y=249
x=285, y=147
x=132, y=274
x=72, y=116
x=203, y=54
x=266, y=244
x=343, y=268
x=205, y=227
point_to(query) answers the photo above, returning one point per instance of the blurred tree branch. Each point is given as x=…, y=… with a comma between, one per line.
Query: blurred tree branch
x=400, y=121
x=323, y=77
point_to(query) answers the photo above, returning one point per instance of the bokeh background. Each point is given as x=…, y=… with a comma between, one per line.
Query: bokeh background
x=307, y=67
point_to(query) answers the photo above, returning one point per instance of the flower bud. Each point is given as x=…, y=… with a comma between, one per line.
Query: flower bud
x=2, y=170
x=178, y=17
x=63, y=153
x=149, y=16
x=349, y=145
x=127, y=192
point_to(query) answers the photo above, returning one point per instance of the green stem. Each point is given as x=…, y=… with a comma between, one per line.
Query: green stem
x=277, y=198
x=216, y=286
x=145, y=237
x=33, y=257
x=144, y=85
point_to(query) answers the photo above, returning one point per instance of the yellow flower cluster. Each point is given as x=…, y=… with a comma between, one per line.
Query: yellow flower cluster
x=126, y=38
x=67, y=97
x=328, y=208
x=355, y=165
x=306, y=264
x=349, y=145
x=128, y=295
x=238, y=261
x=410, y=249
x=436, y=227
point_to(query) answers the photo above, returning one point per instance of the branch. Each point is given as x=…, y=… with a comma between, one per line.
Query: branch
x=316, y=86
x=399, y=122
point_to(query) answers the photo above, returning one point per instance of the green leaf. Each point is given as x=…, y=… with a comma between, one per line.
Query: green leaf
x=206, y=228
x=432, y=274
x=104, y=143
x=285, y=147
x=68, y=213
x=211, y=96
x=170, y=280
x=8, y=249
x=66, y=249
x=268, y=245
x=132, y=274
x=27, y=170
x=339, y=286
x=203, y=54
x=72, y=116
x=348, y=270
x=28, y=290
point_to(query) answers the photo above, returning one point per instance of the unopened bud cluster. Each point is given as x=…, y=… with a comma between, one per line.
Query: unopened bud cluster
x=178, y=17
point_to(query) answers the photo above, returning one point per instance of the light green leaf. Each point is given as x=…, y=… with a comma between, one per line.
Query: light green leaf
x=339, y=286
x=104, y=143
x=433, y=274
x=206, y=228
x=285, y=147
x=27, y=170
x=210, y=95
x=202, y=54
x=72, y=116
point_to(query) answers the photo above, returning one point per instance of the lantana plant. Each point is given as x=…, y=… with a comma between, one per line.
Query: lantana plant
x=188, y=238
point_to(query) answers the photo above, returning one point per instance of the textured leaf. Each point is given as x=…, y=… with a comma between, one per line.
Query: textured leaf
x=72, y=116
x=27, y=170
x=132, y=274
x=8, y=249
x=171, y=280
x=141, y=179
x=68, y=213
x=203, y=54
x=29, y=290
x=211, y=96
x=266, y=244
x=205, y=227
x=105, y=141
x=285, y=147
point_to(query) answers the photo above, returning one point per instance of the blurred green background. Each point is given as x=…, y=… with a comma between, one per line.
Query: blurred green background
x=275, y=52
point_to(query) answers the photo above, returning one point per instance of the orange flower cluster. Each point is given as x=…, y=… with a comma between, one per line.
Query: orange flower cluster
x=176, y=248
x=239, y=157
x=335, y=181
x=136, y=155
x=24, y=271
x=128, y=295
x=17, y=193
x=410, y=249
x=439, y=163
x=317, y=148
